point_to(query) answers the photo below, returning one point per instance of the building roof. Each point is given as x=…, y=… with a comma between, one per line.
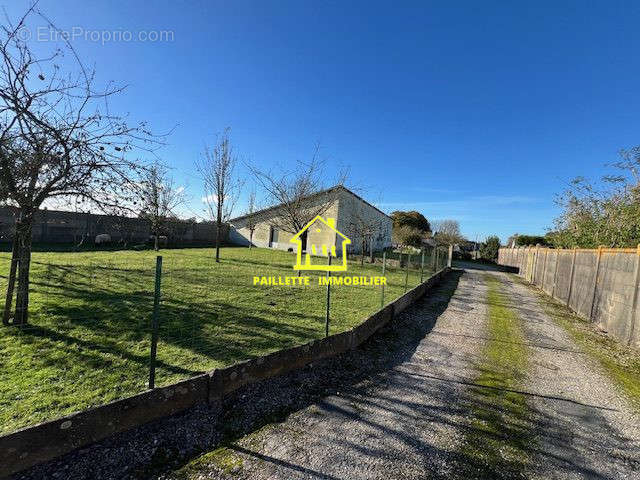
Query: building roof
x=322, y=192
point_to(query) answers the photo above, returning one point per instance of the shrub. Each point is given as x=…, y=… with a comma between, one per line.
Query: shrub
x=489, y=249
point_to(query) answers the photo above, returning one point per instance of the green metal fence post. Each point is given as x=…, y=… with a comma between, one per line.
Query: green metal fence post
x=433, y=259
x=384, y=264
x=406, y=277
x=154, y=324
x=326, y=324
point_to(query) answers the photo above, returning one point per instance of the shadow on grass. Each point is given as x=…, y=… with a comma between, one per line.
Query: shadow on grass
x=90, y=348
x=220, y=331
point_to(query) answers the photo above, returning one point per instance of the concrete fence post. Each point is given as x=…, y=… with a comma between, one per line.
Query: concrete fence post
x=595, y=282
x=573, y=269
x=555, y=274
x=634, y=303
x=535, y=264
x=449, y=260
x=544, y=268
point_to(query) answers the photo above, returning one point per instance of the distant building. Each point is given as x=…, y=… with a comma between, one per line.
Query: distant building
x=348, y=210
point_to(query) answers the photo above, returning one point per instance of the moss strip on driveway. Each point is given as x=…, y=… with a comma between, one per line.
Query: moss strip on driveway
x=497, y=440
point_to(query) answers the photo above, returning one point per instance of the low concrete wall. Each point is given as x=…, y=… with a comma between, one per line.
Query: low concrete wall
x=43, y=442
x=40, y=443
x=224, y=381
x=602, y=285
x=375, y=322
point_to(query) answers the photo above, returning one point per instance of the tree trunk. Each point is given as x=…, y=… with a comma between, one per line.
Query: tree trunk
x=23, y=236
x=362, y=252
x=371, y=259
x=11, y=281
x=155, y=244
x=250, y=239
x=218, y=228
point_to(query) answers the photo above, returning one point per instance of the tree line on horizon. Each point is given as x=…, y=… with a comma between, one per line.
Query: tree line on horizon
x=413, y=229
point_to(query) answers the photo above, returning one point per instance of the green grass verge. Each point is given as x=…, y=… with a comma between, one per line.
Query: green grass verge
x=620, y=362
x=89, y=333
x=497, y=442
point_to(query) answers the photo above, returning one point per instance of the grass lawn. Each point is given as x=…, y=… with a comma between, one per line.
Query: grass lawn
x=89, y=334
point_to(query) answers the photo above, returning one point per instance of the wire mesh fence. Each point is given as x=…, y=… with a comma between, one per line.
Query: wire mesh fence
x=89, y=335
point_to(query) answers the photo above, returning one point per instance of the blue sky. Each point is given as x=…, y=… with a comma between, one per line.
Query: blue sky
x=476, y=111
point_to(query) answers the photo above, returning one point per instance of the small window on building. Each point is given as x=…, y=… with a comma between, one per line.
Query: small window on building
x=273, y=235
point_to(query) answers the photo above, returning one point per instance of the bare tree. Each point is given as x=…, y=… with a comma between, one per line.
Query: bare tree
x=221, y=185
x=59, y=140
x=252, y=218
x=300, y=195
x=159, y=200
x=447, y=232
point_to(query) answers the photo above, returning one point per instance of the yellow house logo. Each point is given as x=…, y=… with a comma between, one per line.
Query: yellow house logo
x=318, y=224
